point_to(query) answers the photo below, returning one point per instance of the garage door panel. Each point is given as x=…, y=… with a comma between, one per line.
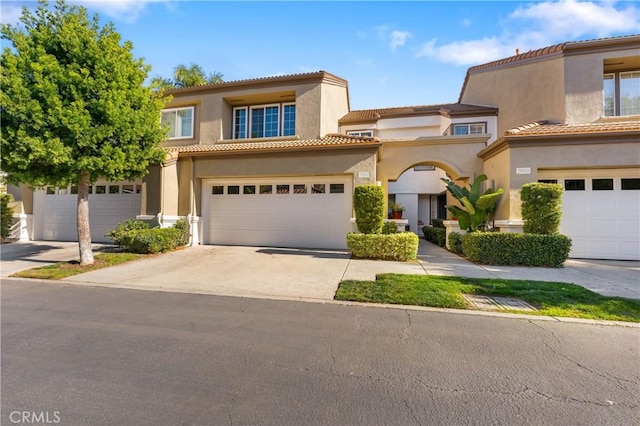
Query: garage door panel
x=603, y=224
x=312, y=220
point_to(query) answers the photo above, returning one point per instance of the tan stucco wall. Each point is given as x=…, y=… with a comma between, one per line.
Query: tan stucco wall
x=23, y=194
x=497, y=169
x=524, y=93
x=323, y=163
x=318, y=108
x=583, y=77
x=151, y=198
x=184, y=191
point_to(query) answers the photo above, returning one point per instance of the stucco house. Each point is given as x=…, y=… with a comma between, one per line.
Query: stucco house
x=273, y=161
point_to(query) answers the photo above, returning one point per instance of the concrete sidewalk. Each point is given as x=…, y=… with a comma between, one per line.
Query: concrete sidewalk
x=299, y=273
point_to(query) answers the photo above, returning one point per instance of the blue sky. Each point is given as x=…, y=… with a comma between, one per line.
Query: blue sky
x=391, y=53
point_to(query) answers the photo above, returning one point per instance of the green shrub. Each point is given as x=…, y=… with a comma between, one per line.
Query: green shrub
x=137, y=237
x=502, y=248
x=435, y=235
x=120, y=234
x=390, y=228
x=6, y=215
x=184, y=232
x=437, y=223
x=368, y=203
x=541, y=207
x=455, y=242
x=401, y=246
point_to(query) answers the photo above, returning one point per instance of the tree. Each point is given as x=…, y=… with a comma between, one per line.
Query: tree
x=186, y=76
x=74, y=106
x=476, y=207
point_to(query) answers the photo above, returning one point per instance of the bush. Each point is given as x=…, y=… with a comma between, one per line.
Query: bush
x=502, y=248
x=390, y=228
x=6, y=215
x=401, y=246
x=437, y=223
x=435, y=235
x=122, y=231
x=455, y=242
x=368, y=203
x=541, y=207
x=137, y=237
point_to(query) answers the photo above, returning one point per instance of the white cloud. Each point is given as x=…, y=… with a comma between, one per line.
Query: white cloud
x=398, y=38
x=394, y=38
x=538, y=25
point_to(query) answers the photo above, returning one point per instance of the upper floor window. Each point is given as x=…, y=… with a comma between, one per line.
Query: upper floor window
x=469, y=129
x=264, y=121
x=362, y=133
x=621, y=93
x=180, y=122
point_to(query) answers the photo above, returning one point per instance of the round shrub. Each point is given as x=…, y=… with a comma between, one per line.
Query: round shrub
x=541, y=207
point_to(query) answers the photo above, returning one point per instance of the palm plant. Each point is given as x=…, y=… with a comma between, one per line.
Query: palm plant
x=476, y=207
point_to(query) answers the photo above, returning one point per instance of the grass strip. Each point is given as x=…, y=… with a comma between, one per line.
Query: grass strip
x=63, y=270
x=550, y=298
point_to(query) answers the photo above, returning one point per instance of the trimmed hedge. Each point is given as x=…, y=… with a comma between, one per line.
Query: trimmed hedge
x=541, y=207
x=503, y=248
x=390, y=228
x=401, y=246
x=368, y=203
x=455, y=242
x=137, y=237
x=6, y=215
x=435, y=235
x=437, y=223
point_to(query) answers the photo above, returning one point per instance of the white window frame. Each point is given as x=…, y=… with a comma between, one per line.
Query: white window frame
x=361, y=133
x=254, y=107
x=193, y=119
x=468, y=126
x=617, y=103
x=246, y=124
x=249, y=119
x=282, y=108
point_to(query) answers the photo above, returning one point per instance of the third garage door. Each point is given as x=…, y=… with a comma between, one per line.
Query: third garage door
x=304, y=212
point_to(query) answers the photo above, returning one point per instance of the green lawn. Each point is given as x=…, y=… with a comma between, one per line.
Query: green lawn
x=63, y=270
x=552, y=299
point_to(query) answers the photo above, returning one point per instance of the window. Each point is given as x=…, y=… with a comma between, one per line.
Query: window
x=470, y=129
x=574, y=184
x=424, y=168
x=233, y=190
x=101, y=189
x=282, y=189
x=362, y=133
x=299, y=189
x=114, y=189
x=180, y=122
x=548, y=180
x=266, y=189
x=630, y=184
x=217, y=190
x=317, y=188
x=336, y=188
x=289, y=120
x=621, y=93
x=602, y=184
x=249, y=189
x=264, y=121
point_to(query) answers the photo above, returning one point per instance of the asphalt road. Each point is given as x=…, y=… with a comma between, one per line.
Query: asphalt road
x=88, y=356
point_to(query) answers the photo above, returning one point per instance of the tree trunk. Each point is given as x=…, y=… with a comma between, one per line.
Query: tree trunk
x=84, y=231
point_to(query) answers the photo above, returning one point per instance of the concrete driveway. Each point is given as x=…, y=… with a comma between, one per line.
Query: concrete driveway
x=295, y=274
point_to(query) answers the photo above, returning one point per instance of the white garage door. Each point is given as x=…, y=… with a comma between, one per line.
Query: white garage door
x=109, y=204
x=601, y=212
x=280, y=212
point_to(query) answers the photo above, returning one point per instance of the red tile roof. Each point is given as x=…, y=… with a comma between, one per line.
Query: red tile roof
x=439, y=109
x=547, y=128
x=329, y=141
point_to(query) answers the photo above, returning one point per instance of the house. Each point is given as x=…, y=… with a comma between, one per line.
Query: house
x=273, y=161
x=569, y=114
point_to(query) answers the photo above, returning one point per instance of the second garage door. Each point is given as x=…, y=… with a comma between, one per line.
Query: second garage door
x=600, y=212
x=306, y=212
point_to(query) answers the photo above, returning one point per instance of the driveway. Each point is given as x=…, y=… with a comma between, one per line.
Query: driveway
x=303, y=274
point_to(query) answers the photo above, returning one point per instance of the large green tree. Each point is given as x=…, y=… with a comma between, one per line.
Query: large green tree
x=186, y=76
x=74, y=106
